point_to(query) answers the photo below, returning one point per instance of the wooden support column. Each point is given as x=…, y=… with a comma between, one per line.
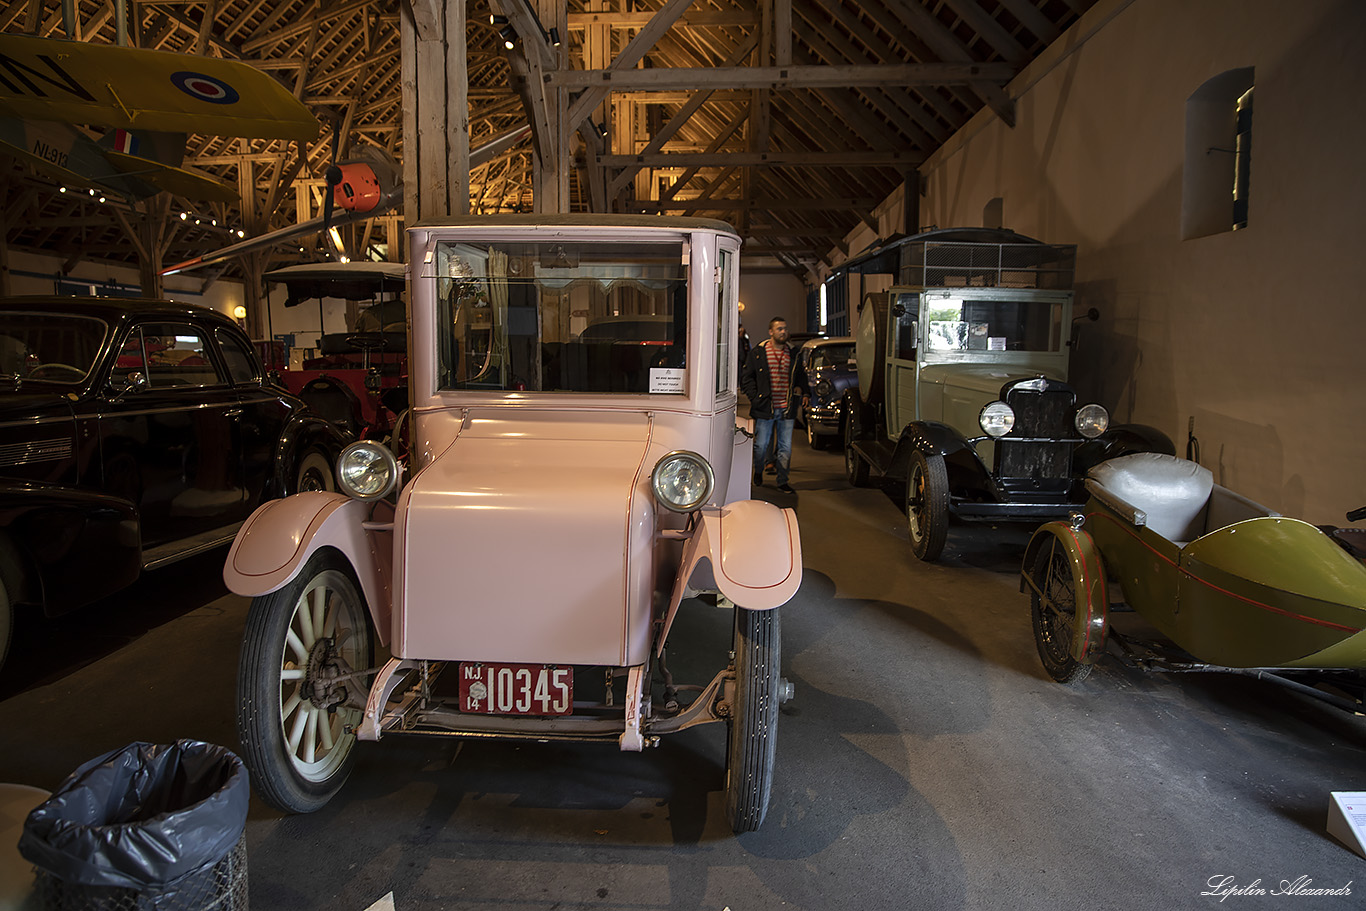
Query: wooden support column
x=436, y=132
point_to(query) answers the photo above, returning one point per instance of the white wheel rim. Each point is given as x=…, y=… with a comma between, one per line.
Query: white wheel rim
x=315, y=741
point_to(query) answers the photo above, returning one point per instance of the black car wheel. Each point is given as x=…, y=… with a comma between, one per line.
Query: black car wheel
x=295, y=723
x=855, y=468
x=752, y=728
x=315, y=473
x=1054, y=609
x=927, y=505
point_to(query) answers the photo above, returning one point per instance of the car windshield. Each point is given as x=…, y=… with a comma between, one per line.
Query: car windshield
x=49, y=347
x=831, y=356
x=556, y=316
x=993, y=324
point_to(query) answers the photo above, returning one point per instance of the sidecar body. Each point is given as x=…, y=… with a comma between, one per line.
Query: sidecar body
x=572, y=484
x=1226, y=580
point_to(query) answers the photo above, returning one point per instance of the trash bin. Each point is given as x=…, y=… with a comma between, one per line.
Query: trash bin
x=149, y=827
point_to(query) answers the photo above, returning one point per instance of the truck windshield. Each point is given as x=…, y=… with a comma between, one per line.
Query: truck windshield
x=993, y=324
x=556, y=316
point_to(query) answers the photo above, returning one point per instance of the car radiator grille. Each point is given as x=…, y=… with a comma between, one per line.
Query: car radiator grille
x=1038, y=414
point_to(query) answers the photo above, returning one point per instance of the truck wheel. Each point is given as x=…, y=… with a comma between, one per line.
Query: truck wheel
x=295, y=725
x=927, y=505
x=752, y=729
x=855, y=468
x=1055, y=615
x=315, y=473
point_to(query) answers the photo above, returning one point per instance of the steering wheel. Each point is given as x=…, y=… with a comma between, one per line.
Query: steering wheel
x=367, y=341
x=41, y=368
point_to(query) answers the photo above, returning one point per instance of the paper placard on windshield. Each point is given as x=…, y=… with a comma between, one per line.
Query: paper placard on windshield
x=666, y=379
x=1347, y=818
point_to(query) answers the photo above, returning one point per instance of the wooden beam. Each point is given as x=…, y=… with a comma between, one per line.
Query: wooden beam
x=779, y=78
x=843, y=159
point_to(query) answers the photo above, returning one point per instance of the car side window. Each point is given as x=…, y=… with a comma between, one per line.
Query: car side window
x=176, y=355
x=242, y=364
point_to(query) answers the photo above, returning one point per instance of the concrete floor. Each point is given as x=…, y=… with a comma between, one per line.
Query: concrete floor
x=926, y=762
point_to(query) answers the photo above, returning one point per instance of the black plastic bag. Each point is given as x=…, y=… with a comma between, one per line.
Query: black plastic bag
x=143, y=817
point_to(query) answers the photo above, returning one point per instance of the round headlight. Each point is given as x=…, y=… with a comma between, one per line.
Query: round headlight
x=682, y=481
x=1092, y=421
x=997, y=419
x=366, y=470
x=824, y=389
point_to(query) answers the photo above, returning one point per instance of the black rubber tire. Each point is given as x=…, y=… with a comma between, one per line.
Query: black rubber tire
x=813, y=439
x=855, y=468
x=1055, y=614
x=752, y=728
x=927, y=505
x=315, y=473
x=286, y=777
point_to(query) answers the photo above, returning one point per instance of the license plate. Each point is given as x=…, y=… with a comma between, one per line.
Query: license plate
x=516, y=689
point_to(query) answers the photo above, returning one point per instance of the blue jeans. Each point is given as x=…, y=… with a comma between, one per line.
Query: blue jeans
x=766, y=431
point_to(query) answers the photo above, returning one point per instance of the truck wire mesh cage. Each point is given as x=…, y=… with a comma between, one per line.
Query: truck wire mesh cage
x=934, y=264
x=220, y=887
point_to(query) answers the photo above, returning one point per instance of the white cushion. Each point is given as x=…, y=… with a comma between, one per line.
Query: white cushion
x=1172, y=492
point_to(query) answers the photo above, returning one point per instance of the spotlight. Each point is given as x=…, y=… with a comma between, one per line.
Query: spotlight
x=495, y=19
x=92, y=192
x=241, y=233
x=196, y=221
x=62, y=190
x=214, y=222
x=509, y=36
x=101, y=199
x=184, y=216
x=555, y=37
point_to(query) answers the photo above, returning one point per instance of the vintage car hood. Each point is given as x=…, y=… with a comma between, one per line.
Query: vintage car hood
x=526, y=540
x=984, y=379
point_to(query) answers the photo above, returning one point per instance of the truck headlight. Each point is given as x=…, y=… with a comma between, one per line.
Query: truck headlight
x=1092, y=421
x=682, y=481
x=997, y=419
x=366, y=470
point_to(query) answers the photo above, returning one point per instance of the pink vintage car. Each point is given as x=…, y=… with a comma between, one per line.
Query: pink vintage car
x=566, y=492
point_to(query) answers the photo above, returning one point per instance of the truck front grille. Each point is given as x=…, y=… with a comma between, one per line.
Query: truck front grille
x=1046, y=414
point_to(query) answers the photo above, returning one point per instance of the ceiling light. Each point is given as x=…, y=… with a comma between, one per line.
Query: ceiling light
x=184, y=215
x=509, y=36
x=62, y=190
x=495, y=19
x=555, y=37
x=241, y=233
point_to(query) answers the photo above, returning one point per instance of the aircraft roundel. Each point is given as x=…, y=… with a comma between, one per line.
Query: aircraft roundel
x=205, y=88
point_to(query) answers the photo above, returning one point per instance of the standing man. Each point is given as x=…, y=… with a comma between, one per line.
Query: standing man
x=773, y=380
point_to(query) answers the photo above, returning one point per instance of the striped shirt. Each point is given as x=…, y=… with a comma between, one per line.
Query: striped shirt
x=780, y=373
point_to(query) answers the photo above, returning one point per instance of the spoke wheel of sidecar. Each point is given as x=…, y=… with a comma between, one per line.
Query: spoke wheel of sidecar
x=752, y=728
x=927, y=505
x=1054, y=610
x=298, y=749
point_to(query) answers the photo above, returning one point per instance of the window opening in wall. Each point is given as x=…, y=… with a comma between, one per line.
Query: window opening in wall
x=1218, y=155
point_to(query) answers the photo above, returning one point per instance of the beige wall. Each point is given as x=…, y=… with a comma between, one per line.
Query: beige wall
x=1259, y=333
x=766, y=295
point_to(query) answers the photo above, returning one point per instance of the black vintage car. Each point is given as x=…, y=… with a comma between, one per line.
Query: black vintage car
x=134, y=433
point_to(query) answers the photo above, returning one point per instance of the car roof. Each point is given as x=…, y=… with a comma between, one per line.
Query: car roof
x=820, y=340
x=113, y=309
x=579, y=220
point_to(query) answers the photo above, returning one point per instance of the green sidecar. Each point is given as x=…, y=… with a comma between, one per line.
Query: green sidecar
x=1227, y=582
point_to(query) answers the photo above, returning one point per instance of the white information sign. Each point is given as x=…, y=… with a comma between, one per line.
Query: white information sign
x=1347, y=819
x=666, y=379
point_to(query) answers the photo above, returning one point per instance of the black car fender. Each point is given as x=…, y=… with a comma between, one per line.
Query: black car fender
x=965, y=467
x=63, y=548
x=1121, y=439
x=303, y=434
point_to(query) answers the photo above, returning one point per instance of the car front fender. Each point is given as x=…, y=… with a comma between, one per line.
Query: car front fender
x=750, y=551
x=1088, y=576
x=279, y=537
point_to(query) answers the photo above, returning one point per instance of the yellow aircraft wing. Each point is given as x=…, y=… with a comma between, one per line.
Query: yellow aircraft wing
x=181, y=181
x=107, y=85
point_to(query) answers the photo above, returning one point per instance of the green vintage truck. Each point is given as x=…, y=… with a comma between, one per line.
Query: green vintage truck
x=963, y=386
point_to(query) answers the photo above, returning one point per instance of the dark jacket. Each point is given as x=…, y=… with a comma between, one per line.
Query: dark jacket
x=756, y=383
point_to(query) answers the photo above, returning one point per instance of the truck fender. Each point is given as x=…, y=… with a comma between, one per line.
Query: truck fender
x=934, y=438
x=1121, y=439
x=1088, y=579
x=750, y=551
x=279, y=537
